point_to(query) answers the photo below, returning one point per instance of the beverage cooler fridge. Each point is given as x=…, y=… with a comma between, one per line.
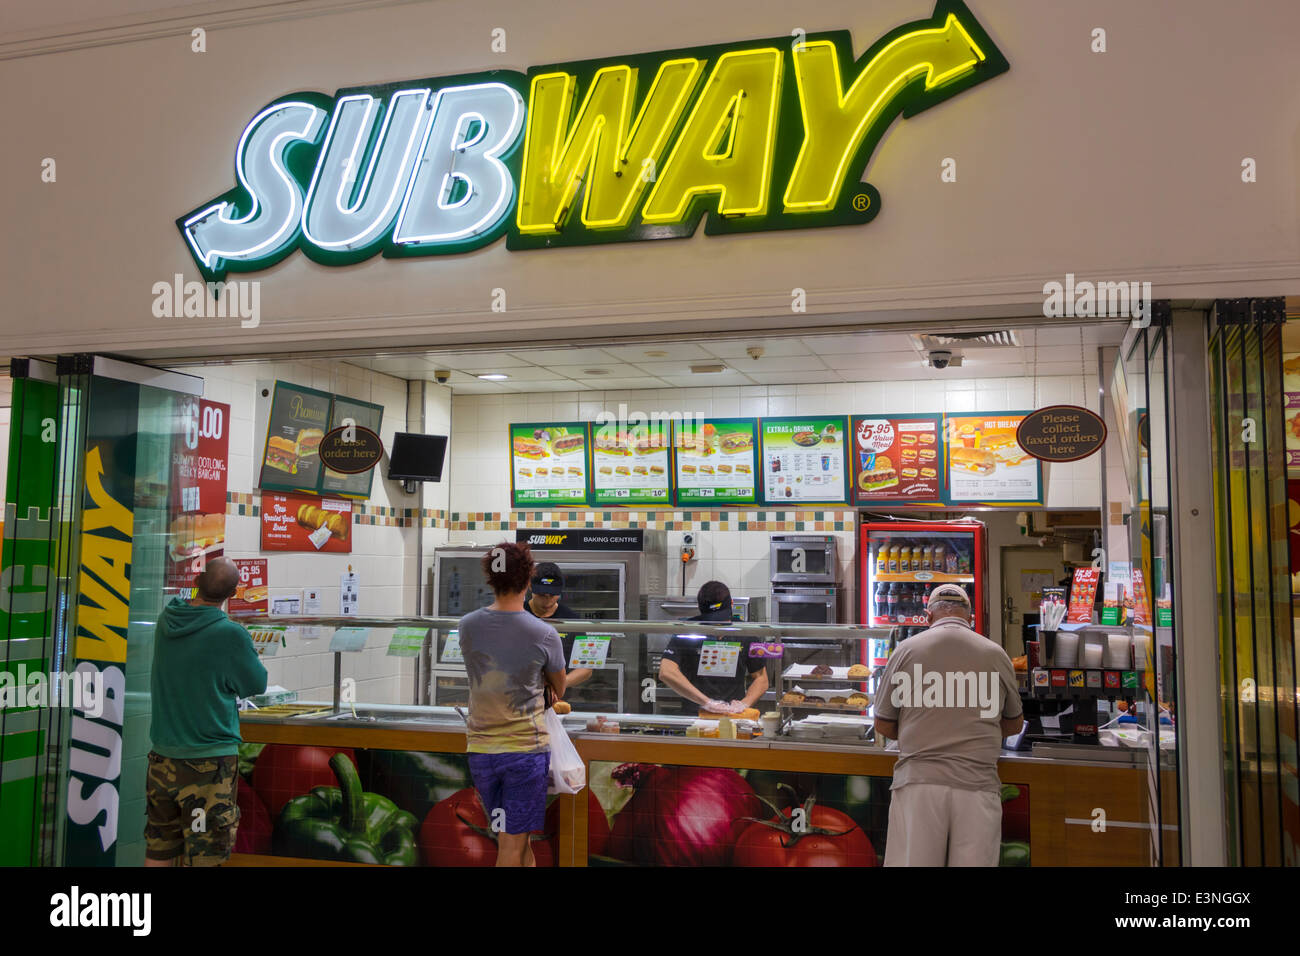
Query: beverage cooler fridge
x=901, y=562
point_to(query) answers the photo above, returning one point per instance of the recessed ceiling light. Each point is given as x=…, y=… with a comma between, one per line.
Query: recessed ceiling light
x=656, y=353
x=705, y=369
x=494, y=377
x=595, y=371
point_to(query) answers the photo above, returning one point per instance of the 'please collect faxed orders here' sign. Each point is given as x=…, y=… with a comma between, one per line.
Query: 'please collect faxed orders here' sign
x=765, y=134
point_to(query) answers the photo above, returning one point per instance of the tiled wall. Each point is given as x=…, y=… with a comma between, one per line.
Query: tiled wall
x=383, y=544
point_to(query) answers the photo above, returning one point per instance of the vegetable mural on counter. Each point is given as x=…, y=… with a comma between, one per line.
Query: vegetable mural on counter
x=653, y=815
x=393, y=807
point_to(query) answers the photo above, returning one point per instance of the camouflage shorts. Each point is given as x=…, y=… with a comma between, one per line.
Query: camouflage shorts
x=175, y=790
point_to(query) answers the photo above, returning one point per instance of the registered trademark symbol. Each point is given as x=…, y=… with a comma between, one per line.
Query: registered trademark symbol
x=861, y=202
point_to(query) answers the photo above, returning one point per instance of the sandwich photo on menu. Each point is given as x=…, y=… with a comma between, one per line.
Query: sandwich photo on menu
x=282, y=454
x=528, y=448
x=612, y=444
x=308, y=442
x=1004, y=448
x=977, y=461
x=734, y=443
x=880, y=475
x=568, y=444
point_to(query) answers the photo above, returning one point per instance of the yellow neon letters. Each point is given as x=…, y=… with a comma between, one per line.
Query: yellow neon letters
x=599, y=149
x=835, y=122
x=727, y=144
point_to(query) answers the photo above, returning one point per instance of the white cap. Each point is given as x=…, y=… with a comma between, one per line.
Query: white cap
x=950, y=592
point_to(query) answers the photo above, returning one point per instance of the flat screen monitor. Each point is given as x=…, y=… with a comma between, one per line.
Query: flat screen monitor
x=417, y=457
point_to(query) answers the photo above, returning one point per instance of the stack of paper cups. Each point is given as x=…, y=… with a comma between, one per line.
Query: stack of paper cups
x=1117, y=648
x=1140, y=645
x=1092, y=655
x=1067, y=649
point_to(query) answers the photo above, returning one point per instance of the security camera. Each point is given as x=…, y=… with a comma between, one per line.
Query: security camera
x=939, y=359
x=441, y=376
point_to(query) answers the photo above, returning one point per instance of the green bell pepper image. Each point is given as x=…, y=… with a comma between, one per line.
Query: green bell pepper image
x=346, y=824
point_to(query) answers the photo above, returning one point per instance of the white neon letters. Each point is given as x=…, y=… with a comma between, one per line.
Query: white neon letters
x=461, y=188
x=347, y=210
x=271, y=225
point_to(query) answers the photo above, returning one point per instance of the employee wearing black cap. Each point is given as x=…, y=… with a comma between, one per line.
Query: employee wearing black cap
x=718, y=693
x=545, y=603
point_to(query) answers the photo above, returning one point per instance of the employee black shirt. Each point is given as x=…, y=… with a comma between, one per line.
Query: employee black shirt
x=684, y=651
x=562, y=613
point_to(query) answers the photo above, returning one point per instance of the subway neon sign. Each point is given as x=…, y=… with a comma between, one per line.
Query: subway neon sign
x=767, y=134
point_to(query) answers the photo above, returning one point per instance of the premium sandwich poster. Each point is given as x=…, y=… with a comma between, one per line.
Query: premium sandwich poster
x=714, y=461
x=365, y=415
x=897, y=459
x=297, y=423
x=804, y=460
x=306, y=523
x=630, y=467
x=548, y=464
x=985, y=464
x=199, y=465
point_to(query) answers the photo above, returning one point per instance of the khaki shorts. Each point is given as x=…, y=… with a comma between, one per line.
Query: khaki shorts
x=176, y=788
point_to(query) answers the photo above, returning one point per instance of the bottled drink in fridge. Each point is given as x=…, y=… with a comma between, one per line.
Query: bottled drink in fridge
x=882, y=557
x=882, y=600
x=927, y=557
x=892, y=602
x=893, y=558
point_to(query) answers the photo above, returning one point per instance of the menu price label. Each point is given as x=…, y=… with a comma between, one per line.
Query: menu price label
x=985, y=462
x=306, y=523
x=897, y=459
x=197, y=510
x=548, y=464
x=451, y=652
x=1083, y=592
x=630, y=465
x=804, y=460
x=589, y=651
x=268, y=639
x=349, y=640
x=714, y=460
x=252, y=594
x=407, y=641
x=718, y=659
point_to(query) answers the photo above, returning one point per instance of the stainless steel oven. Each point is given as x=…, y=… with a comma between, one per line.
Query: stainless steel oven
x=804, y=559
x=805, y=605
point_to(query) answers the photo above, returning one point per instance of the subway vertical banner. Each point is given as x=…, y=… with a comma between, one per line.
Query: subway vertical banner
x=102, y=614
x=31, y=528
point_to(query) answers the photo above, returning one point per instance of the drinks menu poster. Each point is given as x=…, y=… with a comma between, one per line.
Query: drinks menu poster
x=804, y=459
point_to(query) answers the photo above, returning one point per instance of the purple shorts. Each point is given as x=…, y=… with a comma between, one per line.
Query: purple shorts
x=515, y=783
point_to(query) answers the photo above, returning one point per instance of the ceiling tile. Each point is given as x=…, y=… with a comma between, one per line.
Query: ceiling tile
x=858, y=342
x=735, y=348
x=578, y=356
x=868, y=361
x=636, y=354
x=793, y=378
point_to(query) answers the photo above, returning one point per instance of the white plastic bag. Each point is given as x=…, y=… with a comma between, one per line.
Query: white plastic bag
x=568, y=775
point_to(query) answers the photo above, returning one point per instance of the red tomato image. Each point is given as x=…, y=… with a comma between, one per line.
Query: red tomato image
x=285, y=771
x=828, y=838
x=457, y=833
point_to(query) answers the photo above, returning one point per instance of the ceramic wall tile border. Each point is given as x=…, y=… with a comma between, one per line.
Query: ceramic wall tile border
x=811, y=520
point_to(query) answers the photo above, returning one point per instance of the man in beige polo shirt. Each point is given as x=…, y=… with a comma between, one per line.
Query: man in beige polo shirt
x=948, y=696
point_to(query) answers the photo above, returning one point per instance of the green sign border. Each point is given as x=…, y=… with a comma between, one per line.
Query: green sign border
x=726, y=502
x=790, y=503
x=548, y=505
x=594, y=495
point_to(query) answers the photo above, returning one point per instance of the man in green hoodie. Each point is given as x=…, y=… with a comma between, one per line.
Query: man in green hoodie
x=203, y=662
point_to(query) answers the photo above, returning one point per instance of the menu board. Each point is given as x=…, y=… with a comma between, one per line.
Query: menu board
x=1291, y=410
x=252, y=593
x=306, y=523
x=986, y=464
x=714, y=461
x=1083, y=594
x=196, y=529
x=630, y=467
x=548, y=464
x=897, y=459
x=804, y=460
x=297, y=423
x=365, y=415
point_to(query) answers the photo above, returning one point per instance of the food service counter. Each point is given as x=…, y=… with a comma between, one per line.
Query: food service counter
x=651, y=799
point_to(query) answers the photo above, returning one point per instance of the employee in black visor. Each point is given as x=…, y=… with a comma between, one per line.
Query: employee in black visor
x=726, y=688
x=544, y=602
